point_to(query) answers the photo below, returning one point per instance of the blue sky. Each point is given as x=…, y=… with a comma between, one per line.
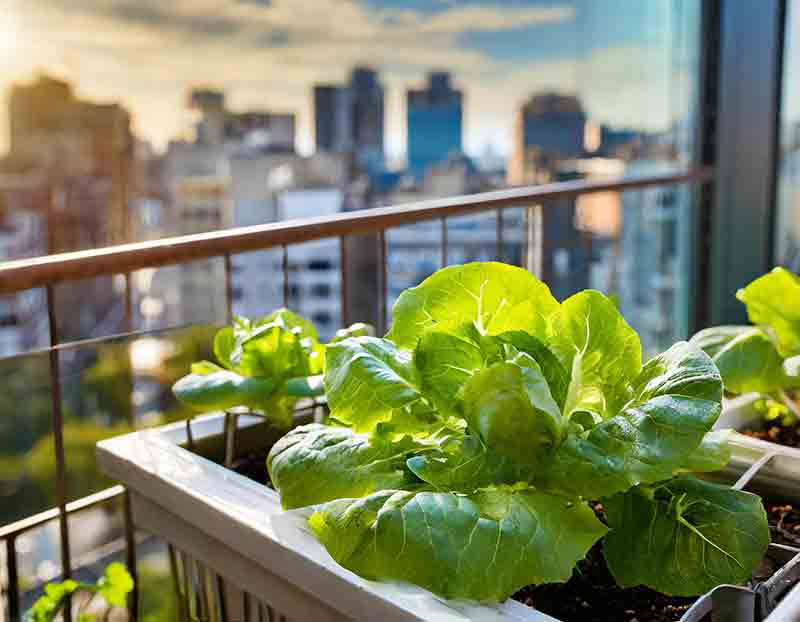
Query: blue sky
x=629, y=60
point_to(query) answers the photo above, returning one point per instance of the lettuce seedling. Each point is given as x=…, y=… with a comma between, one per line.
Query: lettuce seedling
x=762, y=358
x=264, y=365
x=462, y=448
x=113, y=587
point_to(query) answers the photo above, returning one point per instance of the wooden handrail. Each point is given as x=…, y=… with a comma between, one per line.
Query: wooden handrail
x=25, y=274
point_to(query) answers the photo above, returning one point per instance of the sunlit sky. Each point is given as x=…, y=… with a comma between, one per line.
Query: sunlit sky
x=626, y=58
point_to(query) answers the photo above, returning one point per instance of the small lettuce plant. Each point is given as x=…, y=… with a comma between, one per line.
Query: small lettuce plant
x=462, y=448
x=113, y=587
x=763, y=358
x=265, y=365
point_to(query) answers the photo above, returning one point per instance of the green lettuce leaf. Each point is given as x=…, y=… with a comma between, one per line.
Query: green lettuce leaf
x=684, y=537
x=750, y=362
x=445, y=362
x=464, y=467
x=316, y=463
x=712, y=340
x=220, y=390
x=774, y=300
x=367, y=379
x=676, y=402
x=554, y=372
x=509, y=406
x=493, y=297
x=483, y=546
x=593, y=341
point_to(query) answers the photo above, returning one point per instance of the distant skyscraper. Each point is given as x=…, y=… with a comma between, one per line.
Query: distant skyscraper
x=548, y=128
x=434, y=121
x=350, y=117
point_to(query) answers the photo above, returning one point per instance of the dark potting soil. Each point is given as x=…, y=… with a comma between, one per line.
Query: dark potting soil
x=784, y=523
x=254, y=466
x=777, y=432
x=592, y=595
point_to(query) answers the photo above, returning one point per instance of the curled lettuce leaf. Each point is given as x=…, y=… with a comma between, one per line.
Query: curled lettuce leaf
x=482, y=546
x=316, y=463
x=367, y=379
x=773, y=300
x=492, y=297
x=761, y=358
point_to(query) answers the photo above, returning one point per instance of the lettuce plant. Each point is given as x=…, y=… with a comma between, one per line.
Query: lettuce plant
x=761, y=358
x=264, y=365
x=113, y=587
x=463, y=447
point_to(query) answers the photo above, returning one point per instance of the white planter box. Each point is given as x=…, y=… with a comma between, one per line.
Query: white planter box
x=229, y=526
x=739, y=414
x=236, y=528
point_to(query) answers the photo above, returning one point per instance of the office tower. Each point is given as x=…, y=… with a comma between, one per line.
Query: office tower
x=83, y=153
x=349, y=117
x=433, y=123
x=548, y=128
x=82, y=148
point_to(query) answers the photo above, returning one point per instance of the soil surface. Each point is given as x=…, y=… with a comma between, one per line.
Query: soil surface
x=254, y=466
x=779, y=433
x=784, y=523
x=591, y=595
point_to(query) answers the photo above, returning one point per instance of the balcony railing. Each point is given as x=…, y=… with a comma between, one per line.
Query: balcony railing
x=47, y=272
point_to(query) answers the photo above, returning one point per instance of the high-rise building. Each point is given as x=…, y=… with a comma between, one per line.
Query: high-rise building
x=433, y=123
x=349, y=117
x=83, y=153
x=81, y=147
x=548, y=128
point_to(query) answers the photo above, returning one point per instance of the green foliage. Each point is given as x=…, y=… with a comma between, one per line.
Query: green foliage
x=113, y=586
x=760, y=358
x=257, y=362
x=461, y=448
x=684, y=536
x=483, y=546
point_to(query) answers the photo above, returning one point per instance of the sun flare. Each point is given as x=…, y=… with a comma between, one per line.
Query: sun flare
x=9, y=33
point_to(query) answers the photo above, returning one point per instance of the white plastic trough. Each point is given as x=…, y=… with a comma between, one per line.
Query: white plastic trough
x=235, y=528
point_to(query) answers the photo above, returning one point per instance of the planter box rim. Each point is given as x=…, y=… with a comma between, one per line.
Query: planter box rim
x=247, y=516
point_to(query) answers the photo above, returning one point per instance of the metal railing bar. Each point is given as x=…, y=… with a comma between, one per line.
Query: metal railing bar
x=130, y=556
x=444, y=249
x=228, y=288
x=58, y=443
x=500, y=241
x=285, y=269
x=105, y=340
x=38, y=272
x=383, y=282
x=12, y=589
x=37, y=520
x=344, y=290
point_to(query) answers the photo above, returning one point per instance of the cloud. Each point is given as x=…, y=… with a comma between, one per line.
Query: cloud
x=147, y=53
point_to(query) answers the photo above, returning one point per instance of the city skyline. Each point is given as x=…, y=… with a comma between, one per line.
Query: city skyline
x=267, y=55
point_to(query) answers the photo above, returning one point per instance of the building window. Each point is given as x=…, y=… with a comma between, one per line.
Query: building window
x=322, y=318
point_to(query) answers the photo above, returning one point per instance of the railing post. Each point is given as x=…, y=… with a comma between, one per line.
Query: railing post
x=12, y=579
x=58, y=442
